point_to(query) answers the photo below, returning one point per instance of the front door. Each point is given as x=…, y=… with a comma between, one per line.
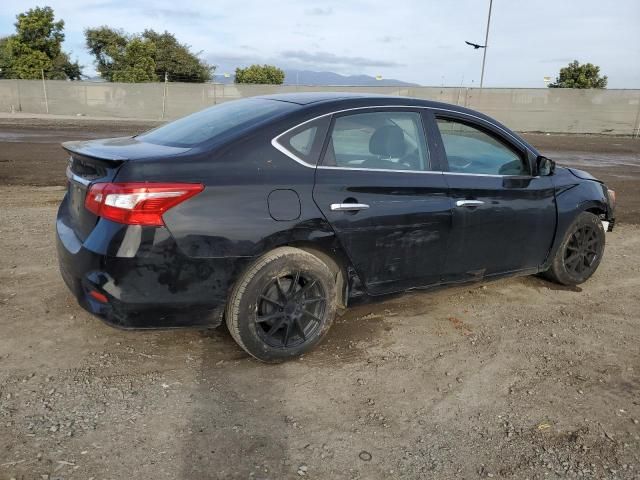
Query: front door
x=504, y=218
x=385, y=197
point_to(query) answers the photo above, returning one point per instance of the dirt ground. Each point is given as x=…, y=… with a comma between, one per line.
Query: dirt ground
x=517, y=378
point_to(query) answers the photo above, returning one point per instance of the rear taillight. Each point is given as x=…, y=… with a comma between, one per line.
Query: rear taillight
x=138, y=203
x=612, y=198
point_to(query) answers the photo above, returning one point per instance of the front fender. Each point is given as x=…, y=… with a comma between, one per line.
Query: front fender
x=574, y=196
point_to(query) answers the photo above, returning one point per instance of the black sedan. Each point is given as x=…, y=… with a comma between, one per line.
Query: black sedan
x=270, y=213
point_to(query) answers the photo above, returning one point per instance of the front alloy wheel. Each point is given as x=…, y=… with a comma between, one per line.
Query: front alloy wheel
x=581, y=251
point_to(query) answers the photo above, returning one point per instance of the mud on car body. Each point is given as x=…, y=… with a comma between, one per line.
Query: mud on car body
x=270, y=213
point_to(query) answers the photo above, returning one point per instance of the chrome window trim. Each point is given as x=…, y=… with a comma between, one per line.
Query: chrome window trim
x=524, y=177
x=291, y=155
x=422, y=172
x=278, y=146
x=362, y=169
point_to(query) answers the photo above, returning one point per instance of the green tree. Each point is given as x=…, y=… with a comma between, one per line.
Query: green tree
x=176, y=59
x=5, y=61
x=72, y=70
x=26, y=63
x=108, y=46
x=122, y=57
x=38, y=30
x=261, y=74
x=575, y=75
x=136, y=64
x=36, y=47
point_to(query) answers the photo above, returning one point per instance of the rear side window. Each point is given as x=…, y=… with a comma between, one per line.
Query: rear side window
x=378, y=140
x=305, y=141
x=470, y=150
x=216, y=122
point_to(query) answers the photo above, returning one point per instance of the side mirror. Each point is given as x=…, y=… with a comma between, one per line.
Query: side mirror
x=545, y=166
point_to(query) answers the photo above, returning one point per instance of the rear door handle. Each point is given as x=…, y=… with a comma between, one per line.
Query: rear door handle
x=469, y=203
x=348, y=207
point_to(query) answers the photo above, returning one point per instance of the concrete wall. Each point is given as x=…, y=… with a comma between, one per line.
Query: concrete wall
x=525, y=110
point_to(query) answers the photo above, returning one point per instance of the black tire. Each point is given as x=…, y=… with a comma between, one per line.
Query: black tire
x=580, y=253
x=283, y=305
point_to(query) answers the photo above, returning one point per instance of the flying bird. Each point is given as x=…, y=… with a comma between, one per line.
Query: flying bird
x=475, y=45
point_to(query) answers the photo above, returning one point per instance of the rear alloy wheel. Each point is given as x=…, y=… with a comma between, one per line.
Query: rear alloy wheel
x=290, y=310
x=283, y=305
x=581, y=251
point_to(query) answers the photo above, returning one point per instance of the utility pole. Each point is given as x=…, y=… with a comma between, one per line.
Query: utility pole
x=486, y=44
x=44, y=87
x=164, y=94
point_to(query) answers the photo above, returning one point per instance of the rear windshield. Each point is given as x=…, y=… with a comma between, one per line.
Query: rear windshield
x=216, y=121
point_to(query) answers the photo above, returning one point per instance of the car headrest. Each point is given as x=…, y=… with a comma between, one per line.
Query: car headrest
x=388, y=141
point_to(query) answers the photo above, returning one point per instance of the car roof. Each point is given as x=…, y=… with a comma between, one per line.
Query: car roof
x=313, y=99
x=327, y=100
x=307, y=98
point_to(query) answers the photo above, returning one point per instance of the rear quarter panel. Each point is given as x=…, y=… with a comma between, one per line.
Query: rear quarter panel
x=231, y=217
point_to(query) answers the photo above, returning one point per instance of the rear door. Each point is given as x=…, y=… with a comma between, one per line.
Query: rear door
x=504, y=217
x=380, y=186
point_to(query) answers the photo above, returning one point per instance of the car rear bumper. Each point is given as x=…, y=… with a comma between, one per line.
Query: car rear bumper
x=155, y=287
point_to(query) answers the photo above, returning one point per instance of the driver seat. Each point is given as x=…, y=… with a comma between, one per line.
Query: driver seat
x=388, y=142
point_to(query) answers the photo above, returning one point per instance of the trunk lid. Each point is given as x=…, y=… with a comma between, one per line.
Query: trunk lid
x=99, y=161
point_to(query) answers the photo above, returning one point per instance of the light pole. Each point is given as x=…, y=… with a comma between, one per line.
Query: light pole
x=486, y=43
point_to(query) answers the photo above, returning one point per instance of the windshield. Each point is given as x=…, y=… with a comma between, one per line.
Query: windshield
x=216, y=121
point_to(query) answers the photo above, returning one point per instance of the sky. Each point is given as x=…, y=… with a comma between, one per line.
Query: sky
x=419, y=41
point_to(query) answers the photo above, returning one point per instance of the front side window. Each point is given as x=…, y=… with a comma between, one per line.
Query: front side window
x=470, y=150
x=378, y=140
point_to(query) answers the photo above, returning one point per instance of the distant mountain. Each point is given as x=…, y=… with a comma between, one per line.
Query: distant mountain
x=307, y=77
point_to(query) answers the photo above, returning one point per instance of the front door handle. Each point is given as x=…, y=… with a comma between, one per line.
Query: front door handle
x=348, y=207
x=469, y=203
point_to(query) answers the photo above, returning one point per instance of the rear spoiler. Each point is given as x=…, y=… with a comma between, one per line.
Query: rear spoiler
x=90, y=149
x=121, y=149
